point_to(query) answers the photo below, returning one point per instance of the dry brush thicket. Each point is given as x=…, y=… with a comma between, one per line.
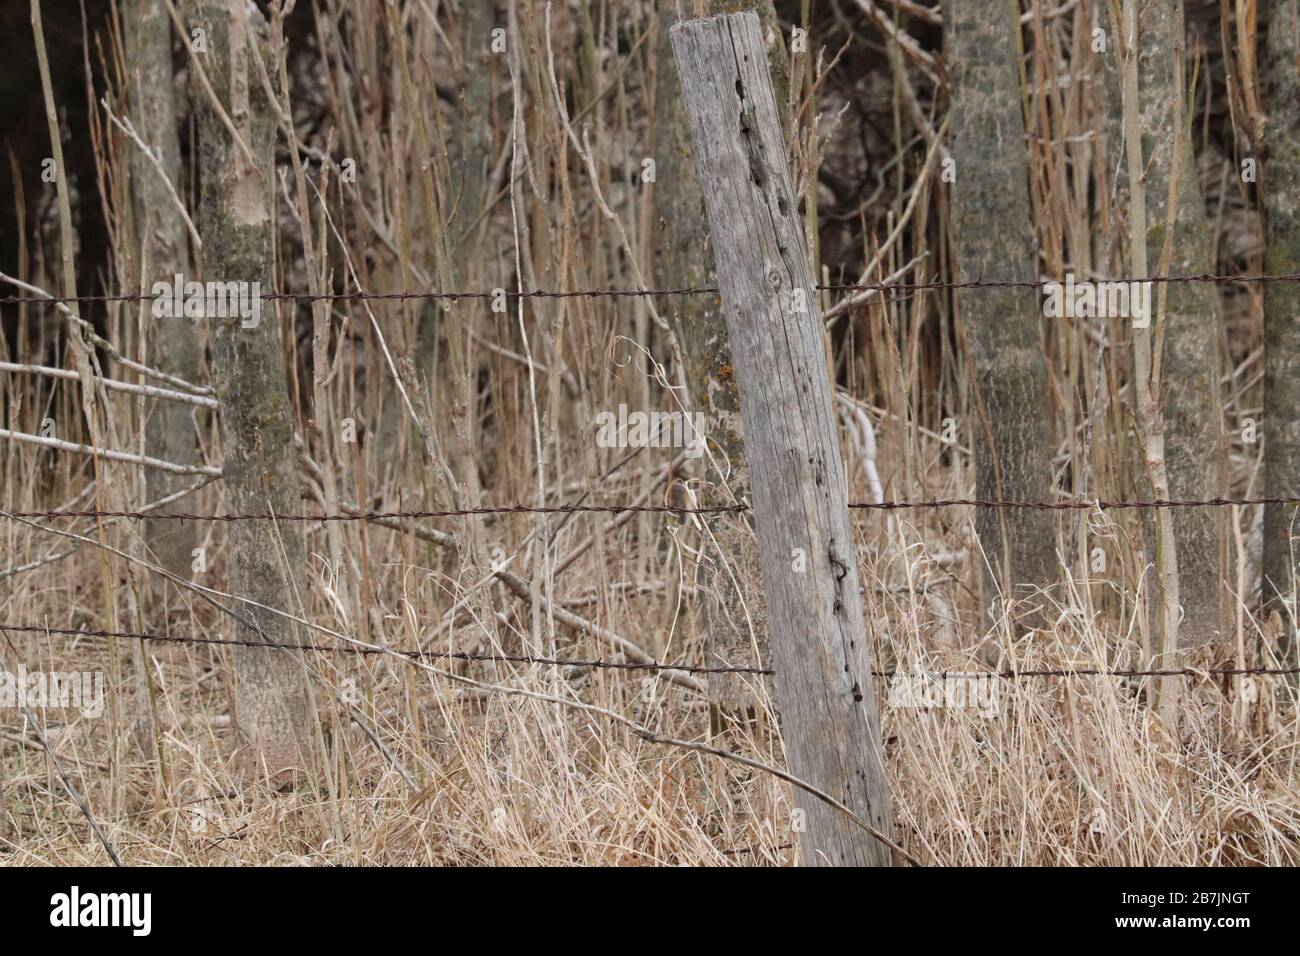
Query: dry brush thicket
x=331, y=147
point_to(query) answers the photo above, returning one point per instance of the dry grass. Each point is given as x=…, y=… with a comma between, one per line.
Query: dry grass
x=1068, y=771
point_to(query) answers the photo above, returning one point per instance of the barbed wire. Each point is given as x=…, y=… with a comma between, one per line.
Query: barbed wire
x=945, y=675
x=324, y=517
x=456, y=296
x=386, y=651
x=748, y=850
x=1097, y=672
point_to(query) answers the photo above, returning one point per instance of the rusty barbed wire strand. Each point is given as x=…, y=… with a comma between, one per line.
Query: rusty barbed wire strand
x=455, y=296
x=945, y=675
x=1095, y=504
x=1097, y=672
x=748, y=850
x=384, y=651
x=371, y=515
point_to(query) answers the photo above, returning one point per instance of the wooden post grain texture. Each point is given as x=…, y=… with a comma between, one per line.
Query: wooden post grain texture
x=815, y=616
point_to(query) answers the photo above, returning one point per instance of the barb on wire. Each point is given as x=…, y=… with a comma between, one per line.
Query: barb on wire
x=890, y=287
x=1189, y=672
x=1094, y=505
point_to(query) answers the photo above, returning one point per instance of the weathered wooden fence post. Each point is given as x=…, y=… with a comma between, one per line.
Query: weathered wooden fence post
x=819, y=640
